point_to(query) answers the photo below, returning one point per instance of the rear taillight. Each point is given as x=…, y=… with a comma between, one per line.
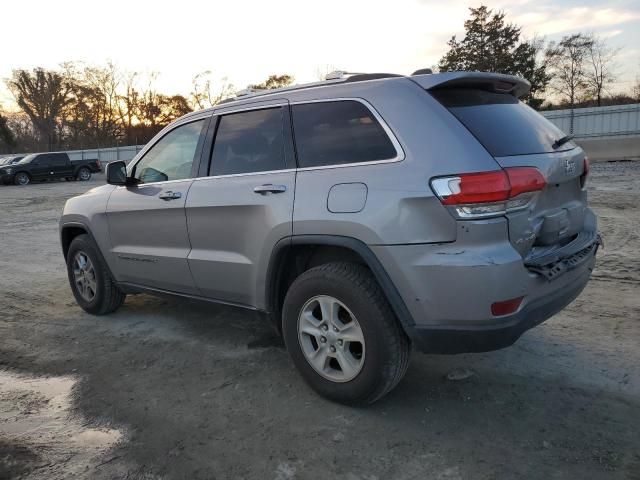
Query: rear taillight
x=585, y=173
x=505, y=307
x=486, y=194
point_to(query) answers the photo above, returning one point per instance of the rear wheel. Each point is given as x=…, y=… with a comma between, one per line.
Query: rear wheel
x=90, y=280
x=342, y=334
x=21, y=178
x=83, y=174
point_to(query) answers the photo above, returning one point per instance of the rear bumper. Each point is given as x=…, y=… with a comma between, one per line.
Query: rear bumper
x=485, y=338
x=449, y=289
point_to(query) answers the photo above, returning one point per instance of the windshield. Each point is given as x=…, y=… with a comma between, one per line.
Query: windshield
x=28, y=158
x=502, y=124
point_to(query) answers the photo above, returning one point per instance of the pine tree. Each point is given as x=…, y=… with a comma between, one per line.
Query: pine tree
x=491, y=45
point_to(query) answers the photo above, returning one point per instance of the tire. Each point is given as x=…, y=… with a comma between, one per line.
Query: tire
x=107, y=297
x=384, y=354
x=21, y=178
x=83, y=174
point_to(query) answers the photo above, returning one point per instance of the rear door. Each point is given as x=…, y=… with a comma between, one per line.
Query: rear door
x=61, y=165
x=147, y=222
x=237, y=213
x=517, y=136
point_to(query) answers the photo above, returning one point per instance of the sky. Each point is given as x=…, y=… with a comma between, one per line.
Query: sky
x=245, y=41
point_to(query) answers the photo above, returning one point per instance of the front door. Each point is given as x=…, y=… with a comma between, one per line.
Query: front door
x=147, y=223
x=41, y=167
x=237, y=214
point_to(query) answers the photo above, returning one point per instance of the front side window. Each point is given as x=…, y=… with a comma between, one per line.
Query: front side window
x=42, y=161
x=171, y=158
x=248, y=142
x=339, y=132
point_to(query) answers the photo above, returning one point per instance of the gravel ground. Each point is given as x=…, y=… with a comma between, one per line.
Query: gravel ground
x=176, y=389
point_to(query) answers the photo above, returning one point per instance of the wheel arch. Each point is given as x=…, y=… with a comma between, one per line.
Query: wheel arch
x=293, y=255
x=71, y=230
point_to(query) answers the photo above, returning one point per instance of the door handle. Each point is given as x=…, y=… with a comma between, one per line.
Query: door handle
x=170, y=195
x=270, y=188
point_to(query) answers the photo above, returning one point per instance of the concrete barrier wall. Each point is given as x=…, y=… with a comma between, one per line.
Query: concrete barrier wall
x=605, y=133
x=611, y=148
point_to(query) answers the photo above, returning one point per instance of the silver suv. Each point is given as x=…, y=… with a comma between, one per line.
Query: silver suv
x=363, y=216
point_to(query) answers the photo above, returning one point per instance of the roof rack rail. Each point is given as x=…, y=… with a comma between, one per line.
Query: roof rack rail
x=337, y=76
x=361, y=77
x=250, y=91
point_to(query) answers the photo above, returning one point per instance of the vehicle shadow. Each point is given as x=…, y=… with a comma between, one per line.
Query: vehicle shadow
x=193, y=379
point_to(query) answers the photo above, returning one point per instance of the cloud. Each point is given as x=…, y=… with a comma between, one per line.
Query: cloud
x=549, y=20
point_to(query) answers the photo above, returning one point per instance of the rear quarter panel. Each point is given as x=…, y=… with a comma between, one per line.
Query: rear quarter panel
x=400, y=206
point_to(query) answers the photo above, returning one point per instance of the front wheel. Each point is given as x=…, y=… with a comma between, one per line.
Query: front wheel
x=342, y=334
x=84, y=174
x=90, y=280
x=22, y=178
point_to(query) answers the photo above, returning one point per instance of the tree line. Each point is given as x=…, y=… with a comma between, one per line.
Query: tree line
x=81, y=106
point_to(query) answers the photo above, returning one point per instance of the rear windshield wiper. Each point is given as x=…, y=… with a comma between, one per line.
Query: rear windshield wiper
x=561, y=141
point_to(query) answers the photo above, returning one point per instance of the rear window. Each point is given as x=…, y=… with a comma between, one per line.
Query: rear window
x=338, y=132
x=249, y=142
x=502, y=123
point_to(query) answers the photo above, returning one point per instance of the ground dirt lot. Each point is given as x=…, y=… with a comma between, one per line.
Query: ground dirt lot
x=173, y=389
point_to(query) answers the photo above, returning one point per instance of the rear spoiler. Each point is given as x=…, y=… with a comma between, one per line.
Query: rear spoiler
x=495, y=82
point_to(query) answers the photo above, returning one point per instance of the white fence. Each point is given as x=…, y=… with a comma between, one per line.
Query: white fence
x=616, y=120
x=106, y=155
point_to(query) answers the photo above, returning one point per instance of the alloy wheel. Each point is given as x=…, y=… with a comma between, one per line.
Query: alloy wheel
x=84, y=276
x=331, y=339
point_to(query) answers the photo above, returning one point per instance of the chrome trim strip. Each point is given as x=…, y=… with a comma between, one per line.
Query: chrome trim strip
x=166, y=182
x=284, y=170
x=253, y=106
x=400, y=154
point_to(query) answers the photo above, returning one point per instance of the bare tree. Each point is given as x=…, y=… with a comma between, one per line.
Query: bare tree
x=567, y=63
x=635, y=90
x=274, y=81
x=128, y=106
x=601, y=71
x=42, y=95
x=7, y=138
x=203, y=93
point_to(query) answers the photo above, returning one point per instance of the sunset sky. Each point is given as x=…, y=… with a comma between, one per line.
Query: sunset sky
x=247, y=41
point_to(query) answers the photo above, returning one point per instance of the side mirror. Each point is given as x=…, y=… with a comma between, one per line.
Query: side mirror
x=117, y=173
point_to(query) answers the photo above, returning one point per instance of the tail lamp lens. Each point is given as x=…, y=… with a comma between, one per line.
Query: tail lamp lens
x=489, y=193
x=585, y=173
x=505, y=307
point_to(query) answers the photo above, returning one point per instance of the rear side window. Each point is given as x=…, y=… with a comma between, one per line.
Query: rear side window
x=502, y=123
x=248, y=142
x=58, y=160
x=338, y=132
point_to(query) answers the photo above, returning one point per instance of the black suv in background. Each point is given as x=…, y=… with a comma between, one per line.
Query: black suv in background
x=11, y=160
x=42, y=166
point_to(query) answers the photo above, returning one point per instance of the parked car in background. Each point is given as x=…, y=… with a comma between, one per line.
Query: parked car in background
x=44, y=166
x=364, y=216
x=11, y=159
